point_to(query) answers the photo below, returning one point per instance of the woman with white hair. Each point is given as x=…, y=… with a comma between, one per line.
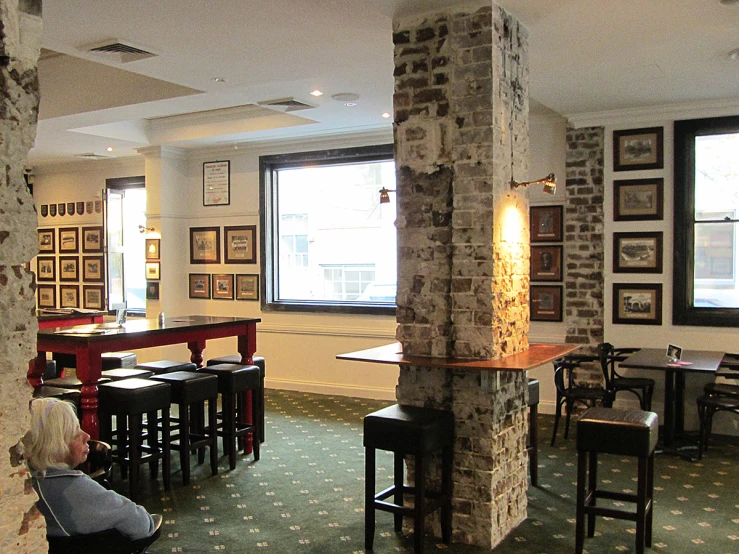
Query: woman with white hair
x=71, y=502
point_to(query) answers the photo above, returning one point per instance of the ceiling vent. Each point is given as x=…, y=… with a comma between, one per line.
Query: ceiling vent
x=119, y=51
x=288, y=104
x=91, y=156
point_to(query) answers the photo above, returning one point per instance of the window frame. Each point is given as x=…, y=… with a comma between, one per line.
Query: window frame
x=683, y=311
x=268, y=165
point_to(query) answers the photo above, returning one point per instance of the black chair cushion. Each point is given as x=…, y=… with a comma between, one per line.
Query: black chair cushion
x=112, y=360
x=188, y=387
x=533, y=392
x=236, y=359
x=719, y=402
x=408, y=429
x=50, y=372
x=134, y=396
x=71, y=382
x=45, y=391
x=166, y=366
x=621, y=432
x=126, y=373
x=721, y=389
x=233, y=378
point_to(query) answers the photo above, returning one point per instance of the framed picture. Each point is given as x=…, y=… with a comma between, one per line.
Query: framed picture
x=546, y=302
x=199, y=285
x=69, y=268
x=69, y=240
x=223, y=287
x=152, y=271
x=638, y=200
x=637, y=252
x=152, y=249
x=546, y=223
x=247, y=287
x=637, y=303
x=93, y=297
x=240, y=244
x=46, y=296
x=46, y=241
x=205, y=245
x=93, y=269
x=638, y=149
x=69, y=296
x=217, y=183
x=152, y=290
x=92, y=239
x=46, y=268
x=546, y=263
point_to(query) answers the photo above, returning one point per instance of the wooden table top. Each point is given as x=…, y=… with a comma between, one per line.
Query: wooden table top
x=691, y=360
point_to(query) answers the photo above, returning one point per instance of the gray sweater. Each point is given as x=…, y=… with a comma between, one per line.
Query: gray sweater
x=74, y=504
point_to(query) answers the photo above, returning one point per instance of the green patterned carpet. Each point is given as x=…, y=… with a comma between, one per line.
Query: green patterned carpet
x=306, y=494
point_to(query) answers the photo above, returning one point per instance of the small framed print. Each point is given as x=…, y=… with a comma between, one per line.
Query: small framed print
x=92, y=239
x=638, y=200
x=638, y=149
x=69, y=268
x=674, y=353
x=546, y=303
x=69, y=296
x=637, y=252
x=152, y=271
x=69, y=240
x=637, y=303
x=217, y=183
x=152, y=249
x=546, y=263
x=46, y=268
x=247, y=287
x=152, y=290
x=93, y=269
x=223, y=287
x=199, y=285
x=93, y=297
x=46, y=241
x=205, y=245
x=240, y=244
x=546, y=223
x=46, y=296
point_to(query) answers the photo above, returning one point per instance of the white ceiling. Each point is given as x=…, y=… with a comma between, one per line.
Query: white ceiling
x=585, y=56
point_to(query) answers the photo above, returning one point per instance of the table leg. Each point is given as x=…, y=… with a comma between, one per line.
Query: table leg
x=679, y=403
x=669, y=424
x=196, y=352
x=36, y=370
x=89, y=369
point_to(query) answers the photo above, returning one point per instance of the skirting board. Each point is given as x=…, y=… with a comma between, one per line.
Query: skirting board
x=331, y=388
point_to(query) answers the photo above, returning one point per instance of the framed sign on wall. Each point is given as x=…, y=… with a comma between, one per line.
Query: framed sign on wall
x=217, y=183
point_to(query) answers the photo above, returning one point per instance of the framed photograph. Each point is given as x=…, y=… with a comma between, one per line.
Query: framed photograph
x=69, y=296
x=205, y=245
x=152, y=290
x=217, y=183
x=546, y=303
x=240, y=244
x=46, y=296
x=152, y=249
x=546, y=263
x=93, y=297
x=638, y=149
x=637, y=252
x=93, y=269
x=69, y=240
x=637, y=303
x=152, y=271
x=546, y=223
x=92, y=239
x=199, y=285
x=69, y=268
x=247, y=287
x=674, y=353
x=223, y=287
x=46, y=268
x=638, y=200
x=46, y=241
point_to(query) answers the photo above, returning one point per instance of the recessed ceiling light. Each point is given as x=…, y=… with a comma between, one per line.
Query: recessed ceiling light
x=109, y=148
x=386, y=115
x=219, y=80
x=345, y=97
x=317, y=93
x=350, y=104
x=729, y=2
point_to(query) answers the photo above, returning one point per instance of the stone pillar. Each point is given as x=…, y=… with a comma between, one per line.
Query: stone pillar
x=22, y=527
x=461, y=129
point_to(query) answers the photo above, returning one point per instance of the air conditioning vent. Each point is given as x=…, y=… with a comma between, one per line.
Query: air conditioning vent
x=91, y=156
x=288, y=104
x=120, y=51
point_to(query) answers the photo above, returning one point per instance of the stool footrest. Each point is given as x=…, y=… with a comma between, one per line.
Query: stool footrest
x=437, y=500
x=613, y=495
x=614, y=513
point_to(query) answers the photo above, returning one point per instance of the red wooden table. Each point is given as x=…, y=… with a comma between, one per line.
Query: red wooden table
x=49, y=319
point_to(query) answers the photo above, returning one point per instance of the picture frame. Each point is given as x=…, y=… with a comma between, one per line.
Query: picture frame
x=152, y=290
x=546, y=263
x=247, y=286
x=637, y=252
x=46, y=268
x=635, y=149
x=92, y=239
x=153, y=270
x=217, y=183
x=545, y=303
x=69, y=240
x=46, y=296
x=93, y=297
x=674, y=353
x=199, y=285
x=546, y=223
x=637, y=303
x=638, y=199
x=69, y=268
x=152, y=249
x=205, y=245
x=46, y=242
x=223, y=286
x=69, y=296
x=93, y=269
x=240, y=244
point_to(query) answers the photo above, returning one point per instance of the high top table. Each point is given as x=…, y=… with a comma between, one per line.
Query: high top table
x=88, y=342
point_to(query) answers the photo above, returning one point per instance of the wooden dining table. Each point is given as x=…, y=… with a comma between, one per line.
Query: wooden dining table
x=89, y=342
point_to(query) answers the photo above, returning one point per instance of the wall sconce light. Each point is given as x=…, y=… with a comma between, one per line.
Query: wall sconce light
x=549, y=182
x=143, y=229
x=385, y=195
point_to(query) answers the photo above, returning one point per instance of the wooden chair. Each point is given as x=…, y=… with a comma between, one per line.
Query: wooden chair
x=111, y=541
x=641, y=387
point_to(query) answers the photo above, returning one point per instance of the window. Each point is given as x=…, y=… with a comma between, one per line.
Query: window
x=706, y=216
x=328, y=242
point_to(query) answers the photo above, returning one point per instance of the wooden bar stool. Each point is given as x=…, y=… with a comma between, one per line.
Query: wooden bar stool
x=126, y=373
x=532, y=447
x=166, y=366
x=112, y=360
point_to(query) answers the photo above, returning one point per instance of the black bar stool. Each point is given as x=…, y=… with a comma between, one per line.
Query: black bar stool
x=166, y=366
x=533, y=440
x=126, y=373
x=112, y=360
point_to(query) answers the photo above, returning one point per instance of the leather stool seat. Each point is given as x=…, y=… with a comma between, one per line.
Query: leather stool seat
x=166, y=366
x=50, y=372
x=126, y=373
x=69, y=395
x=723, y=389
x=532, y=445
x=112, y=360
x=71, y=382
